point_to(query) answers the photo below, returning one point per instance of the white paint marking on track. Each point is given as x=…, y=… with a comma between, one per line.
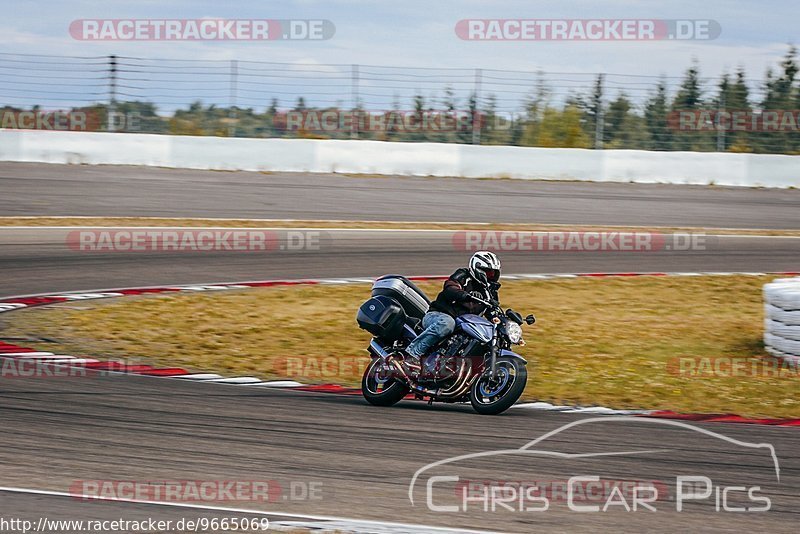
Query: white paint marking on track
x=258, y=283
x=279, y=384
x=87, y=296
x=220, y=287
x=198, y=376
x=344, y=281
x=43, y=356
x=235, y=380
x=25, y=354
x=546, y=406
x=72, y=360
x=351, y=523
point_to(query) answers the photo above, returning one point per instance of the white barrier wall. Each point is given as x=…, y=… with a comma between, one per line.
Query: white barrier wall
x=782, y=318
x=417, y=159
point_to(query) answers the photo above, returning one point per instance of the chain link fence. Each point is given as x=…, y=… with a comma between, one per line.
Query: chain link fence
x=479, y=106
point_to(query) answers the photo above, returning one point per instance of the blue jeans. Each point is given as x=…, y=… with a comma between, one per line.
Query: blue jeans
x=437, y=326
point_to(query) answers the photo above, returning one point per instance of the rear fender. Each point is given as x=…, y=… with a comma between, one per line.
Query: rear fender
x=376, y=350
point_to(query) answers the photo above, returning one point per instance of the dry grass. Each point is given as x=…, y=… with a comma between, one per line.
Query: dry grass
x=608, y=342
x=327, y=224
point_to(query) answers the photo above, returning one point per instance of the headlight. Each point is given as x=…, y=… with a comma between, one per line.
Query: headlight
x=514, y=332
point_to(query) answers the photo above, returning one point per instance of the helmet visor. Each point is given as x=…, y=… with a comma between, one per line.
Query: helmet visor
x=492, y=275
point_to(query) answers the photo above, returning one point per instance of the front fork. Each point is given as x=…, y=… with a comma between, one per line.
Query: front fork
x=493, y=356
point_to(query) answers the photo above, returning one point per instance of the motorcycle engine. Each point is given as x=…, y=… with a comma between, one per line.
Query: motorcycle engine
x=442, y=365
x=454, y=345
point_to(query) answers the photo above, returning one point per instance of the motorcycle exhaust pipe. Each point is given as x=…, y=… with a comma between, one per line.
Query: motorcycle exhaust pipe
x=416, y=388
x=379, y=351
x=461, y=385
x=425, y=391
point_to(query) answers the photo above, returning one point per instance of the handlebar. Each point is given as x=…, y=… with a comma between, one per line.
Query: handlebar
x=482, y=301
x=530, y=319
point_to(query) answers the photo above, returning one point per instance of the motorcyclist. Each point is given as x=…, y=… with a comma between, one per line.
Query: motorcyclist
x=480, y=279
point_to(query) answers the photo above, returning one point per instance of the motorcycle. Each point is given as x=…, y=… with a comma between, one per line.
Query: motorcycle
x=474, y=364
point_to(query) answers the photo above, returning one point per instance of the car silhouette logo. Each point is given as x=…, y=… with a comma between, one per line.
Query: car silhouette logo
x=530, y=449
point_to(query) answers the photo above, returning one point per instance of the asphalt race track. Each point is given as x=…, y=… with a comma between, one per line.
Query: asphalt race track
x=57, y=431
x=39, y=189
x=40, y=260
x=137, y=428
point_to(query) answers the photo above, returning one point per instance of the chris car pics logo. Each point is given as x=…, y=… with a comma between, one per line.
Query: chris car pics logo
x=441, y=487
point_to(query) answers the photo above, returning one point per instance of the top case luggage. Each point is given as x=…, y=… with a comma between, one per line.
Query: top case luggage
x=415, y=303
x=382, y=317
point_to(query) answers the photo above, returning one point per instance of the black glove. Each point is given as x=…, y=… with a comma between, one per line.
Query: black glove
x=494, y=302
x=477, y=295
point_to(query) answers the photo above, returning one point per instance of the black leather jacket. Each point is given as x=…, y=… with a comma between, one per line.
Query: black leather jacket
x=454, y=298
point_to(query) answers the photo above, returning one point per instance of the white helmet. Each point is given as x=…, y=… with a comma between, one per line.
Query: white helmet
x=484, y=266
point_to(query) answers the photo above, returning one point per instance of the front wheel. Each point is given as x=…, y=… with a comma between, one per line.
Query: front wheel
x=491, y=397
x=379, y=386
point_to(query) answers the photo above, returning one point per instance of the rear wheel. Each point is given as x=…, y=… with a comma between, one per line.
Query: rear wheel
x=493, y=396
x=379, y=386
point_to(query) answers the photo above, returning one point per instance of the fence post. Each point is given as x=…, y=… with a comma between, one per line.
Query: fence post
x=112, y=92
x=720, y=128
x=232, y=111
x=476, y=120
x=354, y=97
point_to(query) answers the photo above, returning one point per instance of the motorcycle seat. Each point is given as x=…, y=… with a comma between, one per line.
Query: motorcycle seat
x=413, y=322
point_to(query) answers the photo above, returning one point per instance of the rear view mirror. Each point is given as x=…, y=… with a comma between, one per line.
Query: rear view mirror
x=514, y=316
x=530, y=319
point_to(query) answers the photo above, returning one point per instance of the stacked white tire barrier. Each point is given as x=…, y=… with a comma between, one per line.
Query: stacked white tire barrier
x=782, y=318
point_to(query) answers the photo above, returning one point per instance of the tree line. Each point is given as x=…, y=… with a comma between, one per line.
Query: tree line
x=725, y=117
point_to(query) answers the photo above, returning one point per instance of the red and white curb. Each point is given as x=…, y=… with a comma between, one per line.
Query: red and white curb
x=19, y=353
x=43, y=299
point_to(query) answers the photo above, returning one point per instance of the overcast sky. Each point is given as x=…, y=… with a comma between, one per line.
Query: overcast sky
x=421, y=33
